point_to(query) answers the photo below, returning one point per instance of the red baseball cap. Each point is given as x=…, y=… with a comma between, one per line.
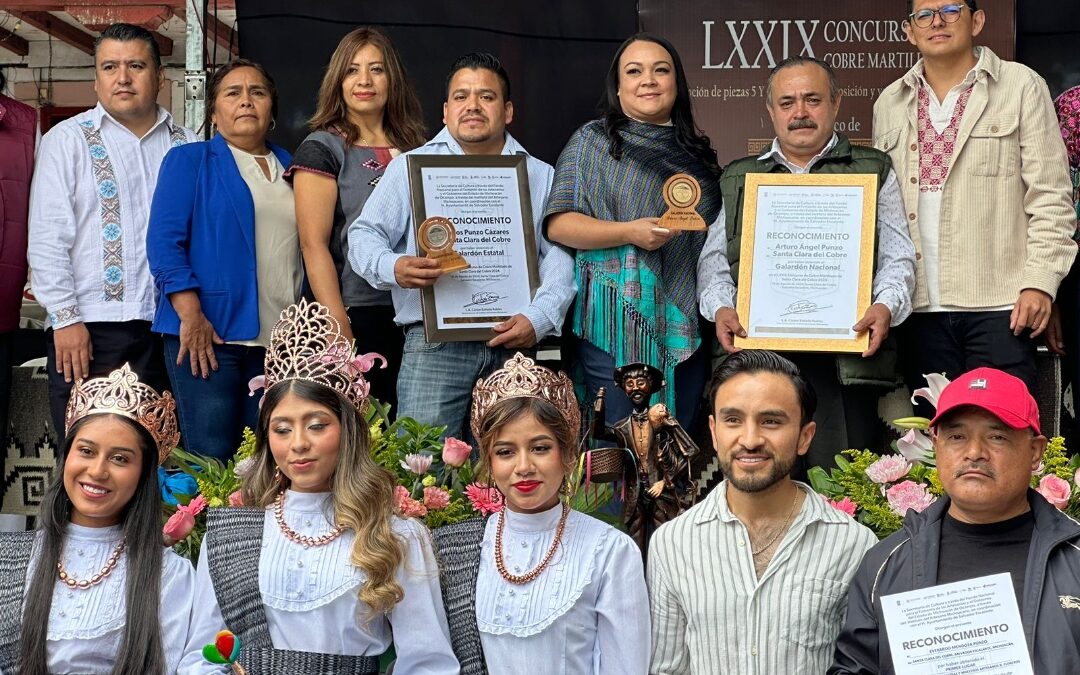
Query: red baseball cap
x=1003, y=395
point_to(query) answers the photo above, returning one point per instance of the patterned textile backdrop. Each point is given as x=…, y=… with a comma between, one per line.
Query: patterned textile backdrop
x=30, y=444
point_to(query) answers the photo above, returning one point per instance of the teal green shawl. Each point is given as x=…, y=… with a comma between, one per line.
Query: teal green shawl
x=634, y=304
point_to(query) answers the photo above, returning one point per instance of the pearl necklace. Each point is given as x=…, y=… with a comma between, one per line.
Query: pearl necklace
x=500, y=563
x=293, y=536
x=84, y=584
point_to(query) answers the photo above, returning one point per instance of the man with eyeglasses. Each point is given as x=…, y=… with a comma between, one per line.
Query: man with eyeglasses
x=982, y=166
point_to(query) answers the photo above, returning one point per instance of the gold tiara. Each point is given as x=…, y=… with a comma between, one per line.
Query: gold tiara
x=521, y=377
x=121, y=393
x=306, y=344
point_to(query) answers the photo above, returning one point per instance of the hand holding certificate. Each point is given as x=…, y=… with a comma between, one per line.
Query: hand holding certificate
x=473, y=214
x=806, y=261
x=971, y=627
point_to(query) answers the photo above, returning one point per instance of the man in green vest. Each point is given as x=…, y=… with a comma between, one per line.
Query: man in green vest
x=803, y=98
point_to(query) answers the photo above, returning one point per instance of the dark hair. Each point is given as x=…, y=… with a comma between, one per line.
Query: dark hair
x=213, y=87
x=403, y=119
x=141, y=648
x=687, y=134
x=972, y=5
x=126, y=32
x=478, y=61
x=792, y=62
x=752, y=361
x=545, y=412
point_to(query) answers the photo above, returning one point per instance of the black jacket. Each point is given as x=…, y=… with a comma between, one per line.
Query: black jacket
x=908, y=560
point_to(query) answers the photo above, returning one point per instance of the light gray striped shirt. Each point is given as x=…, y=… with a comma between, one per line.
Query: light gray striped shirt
x=711, y=615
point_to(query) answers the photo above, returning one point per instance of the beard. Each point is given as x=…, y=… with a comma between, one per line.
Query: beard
x=757, y=482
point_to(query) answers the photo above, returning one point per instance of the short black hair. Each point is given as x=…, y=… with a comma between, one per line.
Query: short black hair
x=214, y=85
x=750, y=361
x=477, y=61
x=126, y=32
x=793, y=61
x=972, y=5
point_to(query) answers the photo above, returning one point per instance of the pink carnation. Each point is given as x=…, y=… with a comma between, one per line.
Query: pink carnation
x=409, y=507
x=236, y=499
x=888, y=469
x=455, y=452
x=909, y=495
x=1056, y=490
x=436, y=498
x=484, y=499
x=845, y=505
x=1076, y=476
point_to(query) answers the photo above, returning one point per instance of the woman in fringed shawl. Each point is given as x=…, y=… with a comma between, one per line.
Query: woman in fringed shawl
x=637, y=298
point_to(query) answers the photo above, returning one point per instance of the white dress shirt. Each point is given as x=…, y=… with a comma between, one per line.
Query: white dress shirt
x=711, y=613
x=894, y=275
x=86, y=626
x=586, y=613
x=309, y=595
x=66, y=235
x=383, y=233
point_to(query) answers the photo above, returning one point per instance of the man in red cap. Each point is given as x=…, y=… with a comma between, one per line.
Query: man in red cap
x=987, y=442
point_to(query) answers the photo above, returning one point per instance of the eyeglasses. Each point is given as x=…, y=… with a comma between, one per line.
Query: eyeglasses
x=924, y=18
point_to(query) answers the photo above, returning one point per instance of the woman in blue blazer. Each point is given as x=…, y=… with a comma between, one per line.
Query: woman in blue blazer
x=224, y=253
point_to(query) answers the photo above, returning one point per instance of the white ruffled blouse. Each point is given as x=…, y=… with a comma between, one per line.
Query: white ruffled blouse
x=86, y=625
x=588, y=612
x=309, y=595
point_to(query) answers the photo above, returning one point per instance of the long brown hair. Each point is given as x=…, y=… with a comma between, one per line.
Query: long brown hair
x=402, y=118
x=362, y=491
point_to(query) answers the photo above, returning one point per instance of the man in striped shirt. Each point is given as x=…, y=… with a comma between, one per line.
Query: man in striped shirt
x=753, y=580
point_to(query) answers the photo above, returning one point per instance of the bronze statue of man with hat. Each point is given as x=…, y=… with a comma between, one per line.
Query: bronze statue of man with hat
x=659, y=485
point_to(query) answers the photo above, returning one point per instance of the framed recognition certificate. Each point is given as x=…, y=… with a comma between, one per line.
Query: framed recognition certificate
x=807, y=261
x=485, y=199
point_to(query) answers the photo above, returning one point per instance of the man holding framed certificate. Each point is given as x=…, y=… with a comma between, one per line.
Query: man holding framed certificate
x=830, y=256
x=474, y=192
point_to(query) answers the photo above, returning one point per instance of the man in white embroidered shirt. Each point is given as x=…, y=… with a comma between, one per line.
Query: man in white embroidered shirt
x=89, y=207
x=753, y=579
x=986, y=187
x=436, y=379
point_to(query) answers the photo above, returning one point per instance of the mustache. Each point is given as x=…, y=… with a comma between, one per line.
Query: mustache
x=802, y=124
x=981, y=467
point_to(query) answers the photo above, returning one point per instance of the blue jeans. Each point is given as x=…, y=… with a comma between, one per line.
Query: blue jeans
x=213, y=412
x=437, y=378
x=690, y=378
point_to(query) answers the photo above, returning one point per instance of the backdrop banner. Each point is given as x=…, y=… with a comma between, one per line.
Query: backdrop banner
x=728, y=49
x=556, y=57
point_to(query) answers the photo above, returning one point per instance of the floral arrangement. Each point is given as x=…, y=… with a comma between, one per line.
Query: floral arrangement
x=195, y=483
x=436, y=478
x=878, y=490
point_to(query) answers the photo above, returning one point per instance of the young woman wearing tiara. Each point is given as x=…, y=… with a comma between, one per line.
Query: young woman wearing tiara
x=552, y=590
x=317, y=574
x=98, y=591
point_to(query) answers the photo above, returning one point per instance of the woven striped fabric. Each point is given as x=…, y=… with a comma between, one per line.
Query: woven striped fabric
x=15, y=549
x=233, y=541
x=636, y=305
x=457, y=548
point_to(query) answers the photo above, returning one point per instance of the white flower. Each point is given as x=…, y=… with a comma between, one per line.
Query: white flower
x=937, y=383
